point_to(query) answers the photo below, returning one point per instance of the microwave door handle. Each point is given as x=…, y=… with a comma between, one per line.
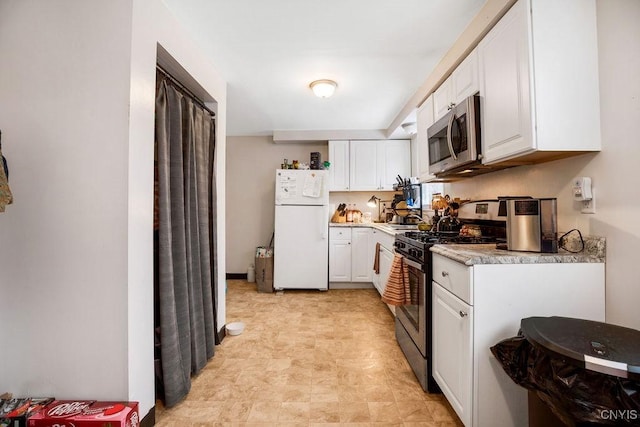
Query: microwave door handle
x=449, y=132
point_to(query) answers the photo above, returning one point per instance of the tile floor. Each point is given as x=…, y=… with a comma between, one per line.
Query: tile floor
x=308, y=358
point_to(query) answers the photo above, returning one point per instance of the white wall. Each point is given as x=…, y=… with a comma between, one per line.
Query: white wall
x=251, y=166
x=76, y=264
x=614, y=171
x=63, y=257
x=153, y=25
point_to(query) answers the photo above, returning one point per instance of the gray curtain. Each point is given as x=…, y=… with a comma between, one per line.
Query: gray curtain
x=185, y=138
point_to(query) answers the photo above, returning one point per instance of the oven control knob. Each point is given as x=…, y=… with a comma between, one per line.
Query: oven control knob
x=418, y=253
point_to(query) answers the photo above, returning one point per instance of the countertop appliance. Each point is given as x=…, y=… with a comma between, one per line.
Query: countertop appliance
x=454, y=140
x=301, y=240
x=532, y=225
x=413, y=321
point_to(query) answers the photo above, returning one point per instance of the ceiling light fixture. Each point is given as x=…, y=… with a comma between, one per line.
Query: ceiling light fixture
x=323, y=88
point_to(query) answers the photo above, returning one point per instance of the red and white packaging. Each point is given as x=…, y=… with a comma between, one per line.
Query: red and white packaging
x=87, y=413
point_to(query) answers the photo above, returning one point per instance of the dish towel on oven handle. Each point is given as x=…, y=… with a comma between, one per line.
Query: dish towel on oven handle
x=376, y=259
x=397, y=291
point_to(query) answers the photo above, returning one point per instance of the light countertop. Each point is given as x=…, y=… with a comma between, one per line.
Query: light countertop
x=471, y=254
x=391, y=229
x=594, y=252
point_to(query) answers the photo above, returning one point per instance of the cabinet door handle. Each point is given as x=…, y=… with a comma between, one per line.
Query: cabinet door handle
x=463, y=314
x=445, y=274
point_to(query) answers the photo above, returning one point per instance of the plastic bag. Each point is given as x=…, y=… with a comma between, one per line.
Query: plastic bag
x=573, y=394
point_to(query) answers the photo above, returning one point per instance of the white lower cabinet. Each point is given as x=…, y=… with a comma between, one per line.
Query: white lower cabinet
x=475, y=307
x=349, y=255
x=453, y=333
x=340, y=254
x=453, y=361
x=386, y=259
x=361, y=261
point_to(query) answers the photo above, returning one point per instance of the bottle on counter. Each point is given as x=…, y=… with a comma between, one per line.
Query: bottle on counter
x=349, y=213
x=357, y=215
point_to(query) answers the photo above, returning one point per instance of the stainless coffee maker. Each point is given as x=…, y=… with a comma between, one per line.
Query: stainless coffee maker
x=532, y=225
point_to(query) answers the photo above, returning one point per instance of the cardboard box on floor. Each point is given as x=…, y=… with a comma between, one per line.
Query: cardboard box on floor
x=264, y=269
x=264, y=274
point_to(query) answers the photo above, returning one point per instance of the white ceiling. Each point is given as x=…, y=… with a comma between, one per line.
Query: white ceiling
x=379, y=52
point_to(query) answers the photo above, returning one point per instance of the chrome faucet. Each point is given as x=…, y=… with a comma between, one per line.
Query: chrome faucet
x=415, y=216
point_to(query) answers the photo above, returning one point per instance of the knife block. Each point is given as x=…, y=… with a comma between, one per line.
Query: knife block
x=337, y=218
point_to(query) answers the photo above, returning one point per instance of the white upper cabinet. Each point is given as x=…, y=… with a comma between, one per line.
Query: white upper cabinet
x=442, y=99
x=538, y=70
x=394, y=158
x=363, y=172
x=339, y=169
x=368, y=165
x=424, y=119
x=462, y=83
x=465, y=78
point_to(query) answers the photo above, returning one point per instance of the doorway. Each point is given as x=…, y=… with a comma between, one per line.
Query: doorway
x=185, y=244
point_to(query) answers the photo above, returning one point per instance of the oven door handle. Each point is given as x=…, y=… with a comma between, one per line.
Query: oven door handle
x=411, y=263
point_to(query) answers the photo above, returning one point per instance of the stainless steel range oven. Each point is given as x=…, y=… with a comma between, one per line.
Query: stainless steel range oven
x=413, y=321
x=480, y=223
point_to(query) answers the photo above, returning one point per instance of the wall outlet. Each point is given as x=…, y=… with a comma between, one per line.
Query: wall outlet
x=582, y=188
x=589, y=206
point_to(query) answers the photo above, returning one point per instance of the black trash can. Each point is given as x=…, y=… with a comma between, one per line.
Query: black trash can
x=578, y=372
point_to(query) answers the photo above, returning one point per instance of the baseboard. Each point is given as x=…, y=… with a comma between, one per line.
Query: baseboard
x=350, y=285
x=149, y=420
x=236, y=276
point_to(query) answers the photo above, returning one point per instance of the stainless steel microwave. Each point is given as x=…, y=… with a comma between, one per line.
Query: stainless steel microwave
x=454, y=140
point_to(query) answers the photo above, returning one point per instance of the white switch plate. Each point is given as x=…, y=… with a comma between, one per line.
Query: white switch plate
x=589, y=206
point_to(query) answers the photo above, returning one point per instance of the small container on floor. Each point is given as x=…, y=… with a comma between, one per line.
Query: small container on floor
x=235, y=328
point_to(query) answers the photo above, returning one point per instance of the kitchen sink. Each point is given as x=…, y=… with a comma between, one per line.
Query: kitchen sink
x=402, y=226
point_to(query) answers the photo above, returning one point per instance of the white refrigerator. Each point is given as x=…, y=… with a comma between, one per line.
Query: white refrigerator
x=301, y=240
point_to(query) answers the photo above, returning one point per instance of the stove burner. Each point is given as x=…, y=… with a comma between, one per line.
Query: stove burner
x=415, y=244
x=430, y=236
x=443, y=237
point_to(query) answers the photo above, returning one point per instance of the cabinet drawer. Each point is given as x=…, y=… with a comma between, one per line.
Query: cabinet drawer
x=454, y=277
x=339, y=233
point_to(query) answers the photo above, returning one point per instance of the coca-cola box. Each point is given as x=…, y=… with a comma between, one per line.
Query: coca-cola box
x=87, y=413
